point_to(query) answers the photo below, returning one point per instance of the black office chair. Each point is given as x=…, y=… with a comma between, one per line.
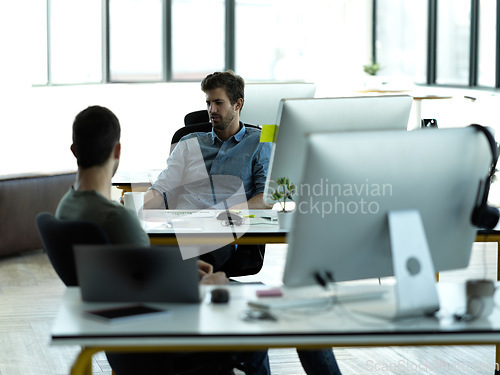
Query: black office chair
x=58, y=237
x=196, y=117
x=188, y=129
x=248, y=259
x=196, y=122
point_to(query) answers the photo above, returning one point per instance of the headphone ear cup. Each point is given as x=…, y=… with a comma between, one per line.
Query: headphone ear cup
x=485, y=217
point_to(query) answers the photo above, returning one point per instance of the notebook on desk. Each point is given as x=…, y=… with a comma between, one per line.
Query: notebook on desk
x=118, y=273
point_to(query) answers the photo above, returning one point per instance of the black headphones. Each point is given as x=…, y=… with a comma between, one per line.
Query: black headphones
x=484, y=216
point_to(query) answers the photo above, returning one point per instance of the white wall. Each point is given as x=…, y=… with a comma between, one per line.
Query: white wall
x=39, y=134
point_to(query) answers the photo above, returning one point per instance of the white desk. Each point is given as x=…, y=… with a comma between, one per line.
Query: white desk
x=200, y=228
x=221, y=327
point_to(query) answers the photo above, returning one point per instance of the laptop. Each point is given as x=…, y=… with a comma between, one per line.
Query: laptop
x=124, y=273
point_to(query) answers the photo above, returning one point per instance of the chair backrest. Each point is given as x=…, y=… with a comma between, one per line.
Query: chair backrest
x=188, y=129
x=58, y=237
x=202, y=127
x=196, y=117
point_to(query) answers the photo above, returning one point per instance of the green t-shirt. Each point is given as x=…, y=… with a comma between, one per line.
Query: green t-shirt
x=121, y=224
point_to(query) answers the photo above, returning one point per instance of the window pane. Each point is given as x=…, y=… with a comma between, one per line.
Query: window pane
x=39, y=43
x=136, y=40
x=270, y=39
x=453, y=41
x=76, y=41
x=286, y=40
x=487, y=42
x=198, y=40
x=402, y=39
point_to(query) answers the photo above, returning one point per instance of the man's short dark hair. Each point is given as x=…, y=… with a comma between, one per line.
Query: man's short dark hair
x=232, y=83
x=96, y=131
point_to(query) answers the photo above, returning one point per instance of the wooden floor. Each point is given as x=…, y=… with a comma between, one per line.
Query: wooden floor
x=30, y=292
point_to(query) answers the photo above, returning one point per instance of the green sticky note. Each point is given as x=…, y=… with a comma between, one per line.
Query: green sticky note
x=269, y=133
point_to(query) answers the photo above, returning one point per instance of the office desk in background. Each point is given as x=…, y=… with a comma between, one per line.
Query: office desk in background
x=198, y=327
x=128, y=181
x=202, y=228
x=262, y=233
x=418, y=98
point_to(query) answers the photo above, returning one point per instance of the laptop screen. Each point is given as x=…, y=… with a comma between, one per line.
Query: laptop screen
x=124, y=273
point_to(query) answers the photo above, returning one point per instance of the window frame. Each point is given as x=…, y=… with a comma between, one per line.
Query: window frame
x=167, y=72
x=230, y=50
x=432, y=52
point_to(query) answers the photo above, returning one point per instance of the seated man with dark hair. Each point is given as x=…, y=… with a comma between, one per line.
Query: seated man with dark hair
x=224, y=168
x=221, y=169
x=96, y=146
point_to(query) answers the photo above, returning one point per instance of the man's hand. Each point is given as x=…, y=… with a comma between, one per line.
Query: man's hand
x=204, y=268
x=153, y=199
x=218, y=278
x=256, y=202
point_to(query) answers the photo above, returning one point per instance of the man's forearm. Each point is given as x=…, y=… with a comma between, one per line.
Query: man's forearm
x=256, y=202
x=153, y=199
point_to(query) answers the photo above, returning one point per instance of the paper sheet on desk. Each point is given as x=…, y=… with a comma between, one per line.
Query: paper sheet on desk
x=262, y=221
x=192, y=213
x=186, y=224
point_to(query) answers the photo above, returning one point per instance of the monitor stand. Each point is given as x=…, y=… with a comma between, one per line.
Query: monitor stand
x=415, y=289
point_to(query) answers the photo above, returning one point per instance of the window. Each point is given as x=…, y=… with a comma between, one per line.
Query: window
x=198, y=40
x=286, y=40
x=270, y=39
x=136, y=51
x=401, y=45
x=461, y=49
x=487, y=43
x=75, y=41
x=453, y=42
x=39, y=73
x=446, y=42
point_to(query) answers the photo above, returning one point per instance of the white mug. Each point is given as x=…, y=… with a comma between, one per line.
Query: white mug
x=479, y=298
x=133, y=201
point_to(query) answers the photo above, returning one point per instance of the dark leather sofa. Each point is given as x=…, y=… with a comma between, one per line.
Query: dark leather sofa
x=22, y=197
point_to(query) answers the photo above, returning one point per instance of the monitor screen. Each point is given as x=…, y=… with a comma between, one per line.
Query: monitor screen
x=262, y=100
x=354, y=181
x=299, y=117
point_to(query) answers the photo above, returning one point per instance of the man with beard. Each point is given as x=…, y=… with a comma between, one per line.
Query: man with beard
x=230, y=149
x=226, y=167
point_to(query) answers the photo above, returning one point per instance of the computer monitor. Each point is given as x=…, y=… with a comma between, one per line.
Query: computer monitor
x=376, y=204
x=299, y=117
x=262, y=100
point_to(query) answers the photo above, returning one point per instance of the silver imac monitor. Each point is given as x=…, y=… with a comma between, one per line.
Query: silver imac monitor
x=262, y=100
x=299, y=117
x=376, y=204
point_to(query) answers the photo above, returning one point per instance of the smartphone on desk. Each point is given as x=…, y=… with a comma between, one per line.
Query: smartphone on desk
x=125, y=313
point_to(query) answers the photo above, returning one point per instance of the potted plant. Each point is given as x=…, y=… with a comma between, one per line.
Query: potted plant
x=372, y=68
x=283, y=193
x=372, y=82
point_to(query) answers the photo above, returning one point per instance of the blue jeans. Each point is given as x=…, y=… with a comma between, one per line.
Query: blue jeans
x=253, y=363
x=319, y=362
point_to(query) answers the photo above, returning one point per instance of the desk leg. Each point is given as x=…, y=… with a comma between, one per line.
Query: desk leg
x=124, y=189
x=497, y=346
x=418, y=112
x=83, y=362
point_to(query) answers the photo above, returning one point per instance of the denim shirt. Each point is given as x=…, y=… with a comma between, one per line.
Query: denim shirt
x=205, y=172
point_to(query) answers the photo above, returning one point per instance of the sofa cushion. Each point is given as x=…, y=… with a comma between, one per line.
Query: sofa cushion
x=22, y=197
